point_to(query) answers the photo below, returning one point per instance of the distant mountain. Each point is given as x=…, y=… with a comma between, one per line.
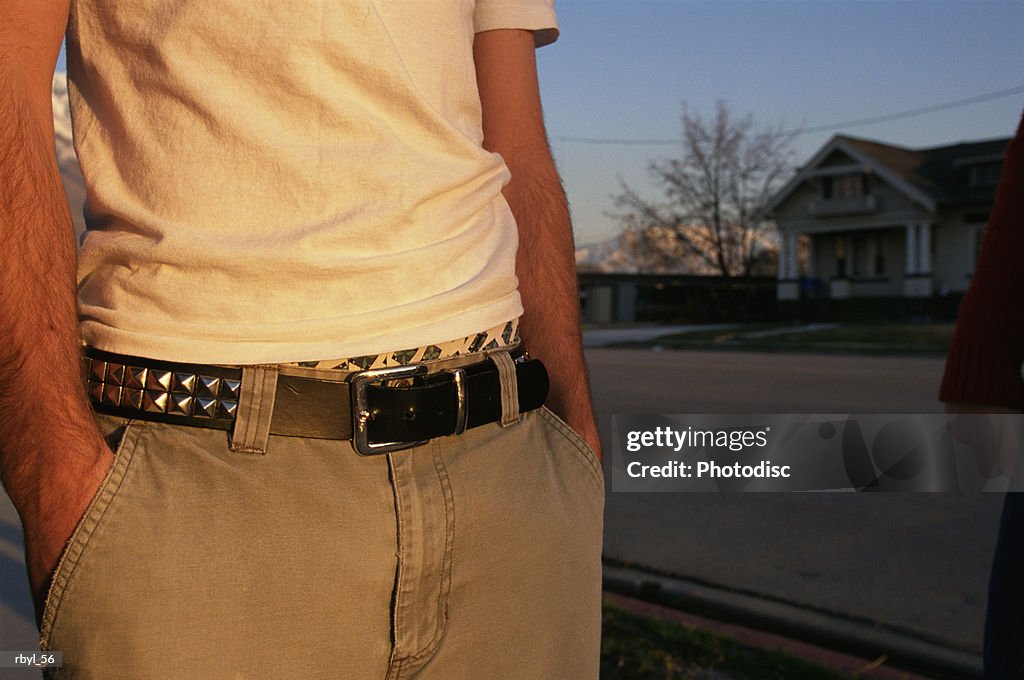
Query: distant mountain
x=74, y=185
x=603, y=256
x=626, y=254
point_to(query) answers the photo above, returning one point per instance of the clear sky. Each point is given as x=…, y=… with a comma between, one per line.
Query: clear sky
x=622, y=69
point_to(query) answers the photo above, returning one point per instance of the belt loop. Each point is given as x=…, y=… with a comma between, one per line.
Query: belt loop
x=255, y=409
x=509, y=388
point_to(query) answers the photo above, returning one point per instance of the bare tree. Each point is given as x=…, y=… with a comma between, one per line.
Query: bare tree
x=714, y=195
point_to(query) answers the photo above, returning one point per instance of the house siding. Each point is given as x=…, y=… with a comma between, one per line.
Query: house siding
x=956, y=251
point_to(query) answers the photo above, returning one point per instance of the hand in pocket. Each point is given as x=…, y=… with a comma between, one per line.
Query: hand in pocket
x=52, y=508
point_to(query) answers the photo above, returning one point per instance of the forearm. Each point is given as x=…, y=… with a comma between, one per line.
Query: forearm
x=546, y=269
x=513, y=126
x=46, y=426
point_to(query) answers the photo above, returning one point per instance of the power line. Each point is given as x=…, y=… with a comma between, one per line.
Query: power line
x=610, y=140
x=910, y=113
x=899, y=115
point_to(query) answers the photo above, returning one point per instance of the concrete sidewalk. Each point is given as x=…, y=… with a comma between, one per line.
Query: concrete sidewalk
x=603, y=337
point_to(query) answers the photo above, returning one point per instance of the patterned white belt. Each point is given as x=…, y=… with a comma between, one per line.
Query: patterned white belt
x=502, y=336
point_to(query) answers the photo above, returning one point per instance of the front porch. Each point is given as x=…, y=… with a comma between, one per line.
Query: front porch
x=868, y=262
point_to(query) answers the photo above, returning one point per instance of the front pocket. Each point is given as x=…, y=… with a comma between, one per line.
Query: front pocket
x=582, y=448
x=87, y=525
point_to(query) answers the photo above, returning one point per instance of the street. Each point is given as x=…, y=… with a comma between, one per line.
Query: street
x=914, y=561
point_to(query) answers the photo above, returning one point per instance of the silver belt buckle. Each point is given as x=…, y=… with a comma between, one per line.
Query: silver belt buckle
x=361, y=414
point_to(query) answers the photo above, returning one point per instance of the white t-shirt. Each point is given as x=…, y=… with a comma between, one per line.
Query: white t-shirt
x=287, y=181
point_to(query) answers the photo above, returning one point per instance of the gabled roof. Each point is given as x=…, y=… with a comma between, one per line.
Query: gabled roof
x=939, y=171
x=929, y=177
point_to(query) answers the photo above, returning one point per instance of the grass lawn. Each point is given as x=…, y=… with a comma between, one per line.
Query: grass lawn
x=636, y=647
x=874, y=338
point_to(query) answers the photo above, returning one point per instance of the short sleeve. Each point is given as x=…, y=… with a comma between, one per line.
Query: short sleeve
x=531, y=15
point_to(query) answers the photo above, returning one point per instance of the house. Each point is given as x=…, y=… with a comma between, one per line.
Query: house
x=869, y=221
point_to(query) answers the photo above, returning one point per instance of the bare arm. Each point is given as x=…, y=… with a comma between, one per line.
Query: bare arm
x=514, y=127
x=51, y=454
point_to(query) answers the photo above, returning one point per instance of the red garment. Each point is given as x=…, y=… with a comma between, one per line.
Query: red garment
x=984, y=362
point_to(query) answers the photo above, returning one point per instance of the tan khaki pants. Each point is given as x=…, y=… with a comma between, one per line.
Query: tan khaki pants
x=475, y=556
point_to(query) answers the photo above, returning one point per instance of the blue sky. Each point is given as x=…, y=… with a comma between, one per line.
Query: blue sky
x=623, y=68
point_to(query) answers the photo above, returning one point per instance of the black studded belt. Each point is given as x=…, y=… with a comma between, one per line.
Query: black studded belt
x=377, y=416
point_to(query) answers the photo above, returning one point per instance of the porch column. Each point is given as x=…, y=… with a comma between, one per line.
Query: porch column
x=917, y=282
x=810, y=256
x=925, y=249
x=786, y=288
x=783, y=264
x=793, y=260
x=911, y=266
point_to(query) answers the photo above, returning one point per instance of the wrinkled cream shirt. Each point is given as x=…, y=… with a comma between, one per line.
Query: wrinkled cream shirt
x=276, y=180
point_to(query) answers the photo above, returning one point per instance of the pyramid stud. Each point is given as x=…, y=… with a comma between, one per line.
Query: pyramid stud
x=229, y=389
x=115, y=374
x=111, y=395
x=226, y=408
x=95, y=390
x=158, y=380
x=135, y=377
x=181, y=404
x=154, y=401
x=205, y=407
x=183, y=383
x=207, y=386
x=97, y=370
x=131, y=397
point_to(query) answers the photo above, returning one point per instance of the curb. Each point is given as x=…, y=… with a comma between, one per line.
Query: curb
x=847, y=349
x=874, y=669
x=835, y=632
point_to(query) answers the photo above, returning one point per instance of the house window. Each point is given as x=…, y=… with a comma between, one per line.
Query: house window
x=844, y=186
x=848, y=186
x=868, y=255
x=860, y=247
x=984, y=174
x=841, y=257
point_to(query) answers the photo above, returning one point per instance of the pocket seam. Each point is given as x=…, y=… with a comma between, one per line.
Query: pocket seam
x=570, y=435
x=91, y=520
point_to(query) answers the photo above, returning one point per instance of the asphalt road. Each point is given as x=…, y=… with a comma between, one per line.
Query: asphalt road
x=918, y=561
x=914, y=561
